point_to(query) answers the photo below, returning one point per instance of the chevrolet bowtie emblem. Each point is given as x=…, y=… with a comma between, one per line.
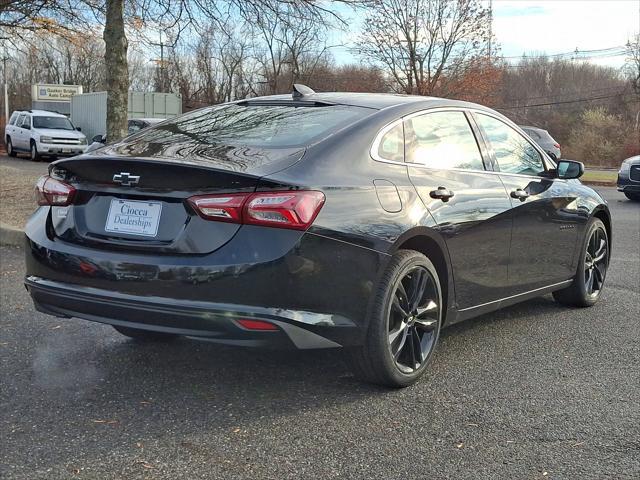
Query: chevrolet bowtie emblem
x=126, y=179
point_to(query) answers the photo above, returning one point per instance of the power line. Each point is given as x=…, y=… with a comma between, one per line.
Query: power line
x=602, y=97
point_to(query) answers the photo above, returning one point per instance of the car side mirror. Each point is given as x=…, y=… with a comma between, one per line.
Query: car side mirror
x=568, y=169
x=79, y=129
x=26, y=126
x=98, y=139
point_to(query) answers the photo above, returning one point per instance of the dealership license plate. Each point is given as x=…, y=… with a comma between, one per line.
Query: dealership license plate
x=133, y=217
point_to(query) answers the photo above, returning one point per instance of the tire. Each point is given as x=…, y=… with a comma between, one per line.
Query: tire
x=33, y=153
x=10, y=151
x=589, y=272
x=145, y=335
x=632, y=196
x=403, y=329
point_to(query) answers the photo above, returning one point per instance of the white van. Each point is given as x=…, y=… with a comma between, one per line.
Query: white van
x=41, y=133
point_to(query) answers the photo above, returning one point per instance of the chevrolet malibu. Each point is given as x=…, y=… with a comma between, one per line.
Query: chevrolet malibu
x=317, y=220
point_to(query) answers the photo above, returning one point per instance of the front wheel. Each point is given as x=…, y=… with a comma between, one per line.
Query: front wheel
x=35, y=156
x=145, y=335
x=404, y=324
x=592, y=269
x=10, y=151
x=632, y=196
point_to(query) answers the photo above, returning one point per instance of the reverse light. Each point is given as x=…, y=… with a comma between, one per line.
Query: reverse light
x=250, y=324
x=289, y=209
x=50, y=191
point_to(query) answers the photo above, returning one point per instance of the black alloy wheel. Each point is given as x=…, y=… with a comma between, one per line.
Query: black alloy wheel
x=592, y=269
x=412, y=320
x=404, y=325
x=596, y=260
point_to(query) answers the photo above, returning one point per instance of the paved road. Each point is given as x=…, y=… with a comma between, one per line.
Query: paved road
x=534, y=391
x=23, y=163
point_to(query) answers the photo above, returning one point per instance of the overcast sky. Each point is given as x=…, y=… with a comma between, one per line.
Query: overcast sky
x=549, y=26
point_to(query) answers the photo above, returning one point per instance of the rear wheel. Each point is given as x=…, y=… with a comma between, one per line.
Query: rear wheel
x=404, y=325
x=35, y=156
x=592, y=270
x=10, y=151
x=145, y=335
x=632, y=196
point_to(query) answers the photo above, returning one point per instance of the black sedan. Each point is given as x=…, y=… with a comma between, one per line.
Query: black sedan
x=629, y=178
x=335, y=220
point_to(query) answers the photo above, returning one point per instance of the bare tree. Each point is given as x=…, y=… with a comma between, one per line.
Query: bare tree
x=424, y=43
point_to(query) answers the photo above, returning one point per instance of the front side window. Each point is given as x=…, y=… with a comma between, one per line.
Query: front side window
x=442, y=140
x=513, y=152
x=391, y=145
x=58, y=123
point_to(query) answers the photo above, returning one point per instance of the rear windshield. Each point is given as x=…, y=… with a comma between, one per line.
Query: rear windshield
x=269, y=126
x=59, y=123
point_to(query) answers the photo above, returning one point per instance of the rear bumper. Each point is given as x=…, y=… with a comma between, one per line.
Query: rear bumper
x=210, y=321
x=300, y=282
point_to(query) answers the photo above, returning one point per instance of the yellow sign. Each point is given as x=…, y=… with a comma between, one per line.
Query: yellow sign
x=54, y=93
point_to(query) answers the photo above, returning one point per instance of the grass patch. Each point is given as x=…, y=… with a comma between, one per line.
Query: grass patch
x=600, y=176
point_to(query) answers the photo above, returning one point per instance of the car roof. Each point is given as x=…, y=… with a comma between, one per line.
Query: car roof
x=377, y=101
x=148, y=119
x=41, y=113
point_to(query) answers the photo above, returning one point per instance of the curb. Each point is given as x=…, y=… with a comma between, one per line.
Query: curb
x=598, y=184
x=11, y=236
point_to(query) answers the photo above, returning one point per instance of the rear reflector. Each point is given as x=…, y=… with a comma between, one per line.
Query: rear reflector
x=290, y=209
x=50, y=191
x=257, y=325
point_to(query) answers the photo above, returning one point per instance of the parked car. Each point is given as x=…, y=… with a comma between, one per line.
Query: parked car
x=629, y=178
x=333, y=220
x=41, y=133
x=133, y=125
x=544, y=140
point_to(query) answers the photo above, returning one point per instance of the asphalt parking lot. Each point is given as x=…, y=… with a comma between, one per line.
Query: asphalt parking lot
x=534, y=391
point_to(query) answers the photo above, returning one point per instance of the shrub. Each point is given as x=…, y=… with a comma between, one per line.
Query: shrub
x=599, y=138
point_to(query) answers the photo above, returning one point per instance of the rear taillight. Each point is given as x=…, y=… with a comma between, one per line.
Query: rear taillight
x=557, y=145
x=50, y=191
x=224, y=208
x=291, y=209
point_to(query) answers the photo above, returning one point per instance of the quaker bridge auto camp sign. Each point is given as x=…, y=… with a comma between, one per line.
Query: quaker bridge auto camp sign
x=54, y=93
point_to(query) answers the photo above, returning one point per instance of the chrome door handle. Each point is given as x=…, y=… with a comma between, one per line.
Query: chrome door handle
x=520, y=194
x=441, y=193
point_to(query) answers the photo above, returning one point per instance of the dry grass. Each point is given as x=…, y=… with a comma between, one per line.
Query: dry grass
x=17, y=200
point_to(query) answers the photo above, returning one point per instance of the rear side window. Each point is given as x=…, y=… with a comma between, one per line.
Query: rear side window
x=269, y=126
x=391, y=145
x=442, y=140
x=14, y=117
x=513, y=152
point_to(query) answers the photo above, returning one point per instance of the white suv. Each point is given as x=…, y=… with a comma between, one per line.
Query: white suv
x=43, y=133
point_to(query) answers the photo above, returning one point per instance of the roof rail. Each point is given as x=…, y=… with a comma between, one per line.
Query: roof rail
x=300, y=91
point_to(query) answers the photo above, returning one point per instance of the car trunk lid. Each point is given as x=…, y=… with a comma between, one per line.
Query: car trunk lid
x=139, y=203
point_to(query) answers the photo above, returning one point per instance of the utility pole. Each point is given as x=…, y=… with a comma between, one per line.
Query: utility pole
x=6, y=87
x=490, y=27
x=162, y=45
